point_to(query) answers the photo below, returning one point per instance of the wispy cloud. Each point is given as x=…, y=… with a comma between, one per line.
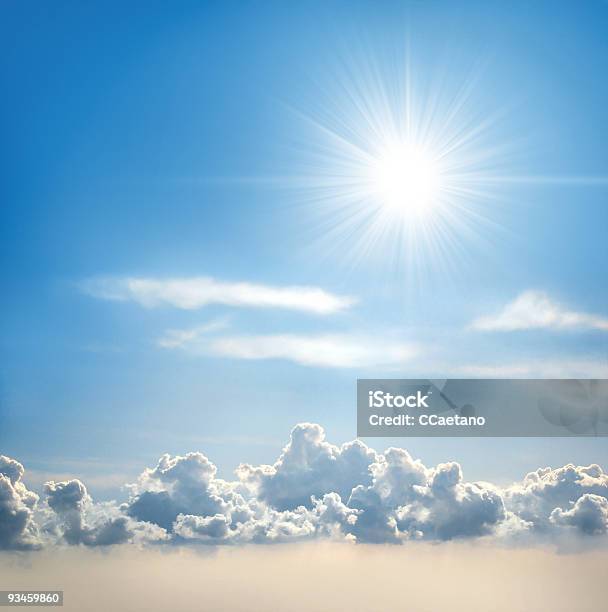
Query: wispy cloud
x=179, y=338
x=536, y=310
x=349, y=350
x=196, y=292
x=335, y=350
x=318, y=350
x=539, y=368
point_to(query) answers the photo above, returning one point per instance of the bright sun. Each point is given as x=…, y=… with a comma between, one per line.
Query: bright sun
x=406, y=180
x=401, y=172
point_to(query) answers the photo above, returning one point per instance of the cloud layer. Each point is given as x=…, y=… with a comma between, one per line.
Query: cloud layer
x=458, y=576
x=314, y=490
x=536, y=310
x=196, y=292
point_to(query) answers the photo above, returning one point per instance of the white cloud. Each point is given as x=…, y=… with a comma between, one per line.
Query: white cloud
x=347, y=350
x=447, y=508
x=309, y=466
x=181, y=338
x=536, y=498
x=315, y=490
x=535, y=310
x=538, y=368
x=71, y=516
x=182, y=485
x=589, y=514
x=206, y=528
x=196, y=292
x=324, y=350
x=18, y=530
x=408, y=501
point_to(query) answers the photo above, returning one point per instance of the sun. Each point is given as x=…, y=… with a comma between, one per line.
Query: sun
x=399, y=170
x=406, y=180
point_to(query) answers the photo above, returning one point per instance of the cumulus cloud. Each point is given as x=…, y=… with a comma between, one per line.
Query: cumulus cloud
x=196, y=292
x=76, y=520
x=184, y=485
x=327, y=518
x=409, y=501
x=183, y=495
x=309, y=466
x=321, y=350
x=18, y=530
x=448, y=508
x=314, y=490
x=536, y=310
x=209, y=528
x=589, y=514
x=542, y=491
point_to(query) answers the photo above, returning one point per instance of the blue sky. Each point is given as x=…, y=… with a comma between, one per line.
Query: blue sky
x=158, y=143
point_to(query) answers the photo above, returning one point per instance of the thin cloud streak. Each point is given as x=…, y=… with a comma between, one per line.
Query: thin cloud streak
x=179, y=338
x=540, y=368
x=192, y=293
x=344, y=350
x=316, y=350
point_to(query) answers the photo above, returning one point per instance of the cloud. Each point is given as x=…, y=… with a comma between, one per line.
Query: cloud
x=345, y=350
x=324, y=350
x=535, y=310
x=182, y=338
x=314, y=491
x=193, y=293
x=184, y=485
x=540, y=368
x=18, y=531
x=409, y=501
x=395, y=478
x=77, y=520
x=309, y=466
x=544, y=490
x=589, y=514
x=328, y=518
x=448, y=508
x=209, y=528
x=460, y=577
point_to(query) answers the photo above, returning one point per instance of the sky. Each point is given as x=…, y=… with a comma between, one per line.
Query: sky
x=189, y=258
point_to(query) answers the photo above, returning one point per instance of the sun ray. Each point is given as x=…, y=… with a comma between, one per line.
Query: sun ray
x=396, y=168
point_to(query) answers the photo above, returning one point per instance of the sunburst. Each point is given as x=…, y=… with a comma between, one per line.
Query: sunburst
x=399, y=169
